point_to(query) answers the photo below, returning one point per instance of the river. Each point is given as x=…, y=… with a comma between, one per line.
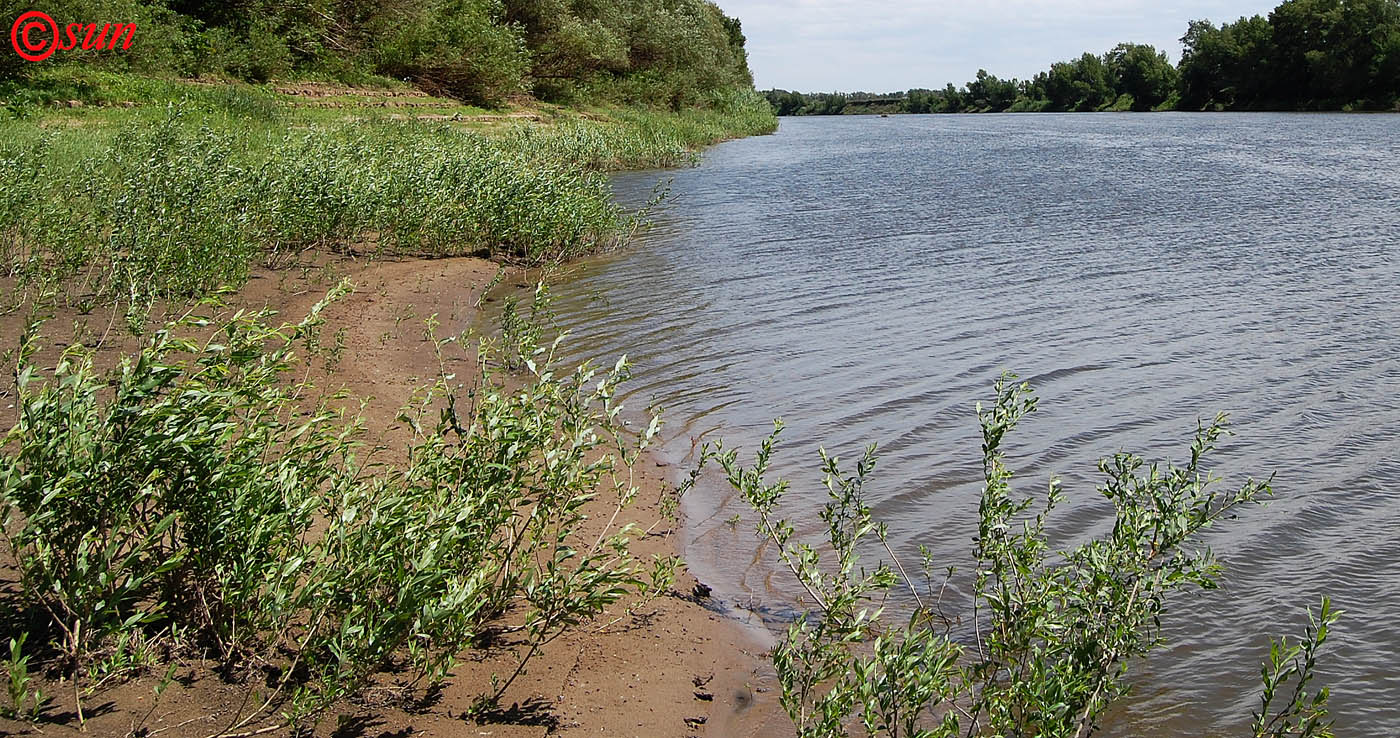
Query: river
x=868, y=278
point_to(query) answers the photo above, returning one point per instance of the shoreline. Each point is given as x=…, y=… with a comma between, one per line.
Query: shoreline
x=743, y=708
x=675, y=667
x=672, y=666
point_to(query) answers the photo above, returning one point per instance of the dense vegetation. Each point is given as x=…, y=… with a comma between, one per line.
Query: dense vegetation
x=1306, y=55
x=205, y=500
x=660, y=52
x=131, y=206
x=174, y=203
x=194, y=504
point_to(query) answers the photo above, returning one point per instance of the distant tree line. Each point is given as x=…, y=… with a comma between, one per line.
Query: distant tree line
x=1306, y=55
x=662, y=52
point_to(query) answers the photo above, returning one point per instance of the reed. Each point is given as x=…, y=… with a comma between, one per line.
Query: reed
x=178, y=202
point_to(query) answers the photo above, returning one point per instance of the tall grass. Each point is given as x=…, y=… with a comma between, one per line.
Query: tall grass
x=176, y=208
x=26, y=97
x=179, y=202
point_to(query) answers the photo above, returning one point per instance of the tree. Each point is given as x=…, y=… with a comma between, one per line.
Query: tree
x=454, y=47
x=1335, y=52
x=1142, y=72
x=989, y=93
x=1230, y=66
x=1307, y=54
x=1082, y=84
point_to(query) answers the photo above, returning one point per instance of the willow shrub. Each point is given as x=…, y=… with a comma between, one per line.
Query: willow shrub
x=179, y=204
x=1053, y=632
x=175, y=208
x=198, y=501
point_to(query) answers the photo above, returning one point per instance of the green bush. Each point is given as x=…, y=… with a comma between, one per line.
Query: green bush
x=175, y=209
x=669, y=54
x=257, y=54
x=175, y=216
x=197, y=501
x=452, y=47
x=1055, y=631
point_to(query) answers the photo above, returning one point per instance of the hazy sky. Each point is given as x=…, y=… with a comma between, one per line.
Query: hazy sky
x=888, y=45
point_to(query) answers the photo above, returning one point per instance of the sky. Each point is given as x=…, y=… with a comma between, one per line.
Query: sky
x=891, y=45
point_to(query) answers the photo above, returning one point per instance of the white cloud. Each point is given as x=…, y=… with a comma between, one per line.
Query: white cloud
x=884, y=45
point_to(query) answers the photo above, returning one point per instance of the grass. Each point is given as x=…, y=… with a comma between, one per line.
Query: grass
x=173, y=200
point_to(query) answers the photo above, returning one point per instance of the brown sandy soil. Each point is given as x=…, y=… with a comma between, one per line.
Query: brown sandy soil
x=673, y=669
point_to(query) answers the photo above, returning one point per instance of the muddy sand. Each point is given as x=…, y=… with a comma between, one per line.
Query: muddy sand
x=676, y=668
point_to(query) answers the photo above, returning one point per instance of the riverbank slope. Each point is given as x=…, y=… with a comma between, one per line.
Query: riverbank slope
x=121, y=214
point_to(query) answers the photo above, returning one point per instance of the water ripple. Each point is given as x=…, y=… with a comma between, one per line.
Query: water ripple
x=866, y=279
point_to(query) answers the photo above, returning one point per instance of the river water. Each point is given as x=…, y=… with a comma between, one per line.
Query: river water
x=867, y=279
